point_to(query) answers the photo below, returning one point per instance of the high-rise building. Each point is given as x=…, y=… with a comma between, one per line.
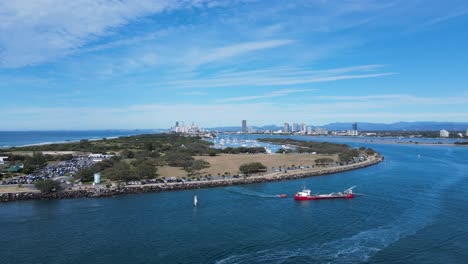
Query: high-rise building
x=286, y=128
x=466, y=133
x=294, y=127
x=244, y=126
x=355, y=126
x=177, y=124
x=309, y=130
x=303, y=127
x=321, y=131
x=444, y=133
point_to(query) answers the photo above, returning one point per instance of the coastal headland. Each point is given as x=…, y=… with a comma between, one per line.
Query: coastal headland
x=160, y=187
x=162, y=162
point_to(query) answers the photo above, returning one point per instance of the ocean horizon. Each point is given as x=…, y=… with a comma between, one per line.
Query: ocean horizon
x=23, y=138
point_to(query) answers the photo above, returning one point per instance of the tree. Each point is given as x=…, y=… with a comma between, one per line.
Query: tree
x=324, y=161
x=119, y=172
x=48, y=186
x=85, y=174
x=148, y=146
x=253, y=167
x=144, y=170
x=37, y=161
x=127, y=154
x=197, y=166
x=179, y=159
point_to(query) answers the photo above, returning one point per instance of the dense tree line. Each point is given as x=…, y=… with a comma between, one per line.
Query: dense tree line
x=250, y=150
x=253, y=167
x=117, y=169
x=324, y=161
x=36, y=162
x=48, y=186
x=158, y=143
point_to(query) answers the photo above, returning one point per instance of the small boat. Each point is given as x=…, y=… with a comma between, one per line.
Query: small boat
x=195, y=201
x=305, y=195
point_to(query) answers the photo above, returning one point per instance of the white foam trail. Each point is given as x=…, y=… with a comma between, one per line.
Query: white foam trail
x=365, y=244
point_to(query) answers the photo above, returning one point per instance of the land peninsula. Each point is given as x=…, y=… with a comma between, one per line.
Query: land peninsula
x=159, y=162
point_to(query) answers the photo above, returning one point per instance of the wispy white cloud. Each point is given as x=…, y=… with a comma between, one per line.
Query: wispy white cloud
x=394, y=99
x=137, y=116
x=34, y=32
x=278, y=77
x=230, y=51
x=444, y=18
x=278, y=93
x=194, y=93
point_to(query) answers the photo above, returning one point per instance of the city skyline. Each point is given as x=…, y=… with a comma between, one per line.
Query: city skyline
x=136, y=65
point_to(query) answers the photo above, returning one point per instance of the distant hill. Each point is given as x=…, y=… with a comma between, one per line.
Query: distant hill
x=399, y=126
x=410, y=126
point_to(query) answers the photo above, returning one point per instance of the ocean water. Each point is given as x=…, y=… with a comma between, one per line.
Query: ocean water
x=413, y=211
x=21, y=138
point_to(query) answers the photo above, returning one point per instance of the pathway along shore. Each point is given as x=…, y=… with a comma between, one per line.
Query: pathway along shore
x=160, y=187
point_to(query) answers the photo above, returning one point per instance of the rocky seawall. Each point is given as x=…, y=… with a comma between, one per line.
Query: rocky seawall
x=149, y=188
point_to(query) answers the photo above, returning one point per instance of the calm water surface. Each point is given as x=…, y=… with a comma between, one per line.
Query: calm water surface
x=414, y=211
x=21, y=138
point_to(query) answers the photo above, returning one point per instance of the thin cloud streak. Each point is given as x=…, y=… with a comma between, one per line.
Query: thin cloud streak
x=274, y=77
x=237, y=50
x=279, y=93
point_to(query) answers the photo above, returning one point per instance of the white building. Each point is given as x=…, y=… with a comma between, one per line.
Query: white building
x=303, y=128
x=2, y=160
x=309, y=131
x=444, y=133
x=193, y=129
x=100, y=157
x=352, y=133
x=466, y=133
x=321, y=131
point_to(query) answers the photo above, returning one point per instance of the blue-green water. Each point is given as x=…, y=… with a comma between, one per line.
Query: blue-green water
x=21, y=138
x=414, y=211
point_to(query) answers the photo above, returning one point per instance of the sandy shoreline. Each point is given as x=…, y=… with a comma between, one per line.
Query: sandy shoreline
x=136, y=189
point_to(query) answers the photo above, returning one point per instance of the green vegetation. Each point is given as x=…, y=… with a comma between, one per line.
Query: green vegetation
x=324, y=161
x=138, y=157
x=250, y=150
x=157, y=143
x=253, y=167
x=37, y=161
x=345, y=152
x=48, y=186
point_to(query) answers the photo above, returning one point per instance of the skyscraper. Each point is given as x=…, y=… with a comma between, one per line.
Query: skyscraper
x=355, y=126
x=177, y=124
x=286, y=128
x=244, y=126
x=294, y=127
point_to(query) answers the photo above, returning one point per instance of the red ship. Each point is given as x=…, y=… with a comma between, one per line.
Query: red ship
x=305, y=195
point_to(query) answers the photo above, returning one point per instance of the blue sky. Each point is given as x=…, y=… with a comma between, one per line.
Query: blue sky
x=102, y=64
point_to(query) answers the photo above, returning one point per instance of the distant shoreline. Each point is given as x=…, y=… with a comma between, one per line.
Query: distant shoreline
x=148, y=188
x=16, y=139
